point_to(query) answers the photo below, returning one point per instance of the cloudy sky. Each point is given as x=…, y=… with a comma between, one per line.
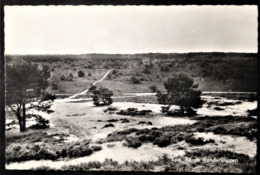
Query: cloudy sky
x=129, y=29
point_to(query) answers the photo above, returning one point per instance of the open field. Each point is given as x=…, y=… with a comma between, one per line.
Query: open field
x=132, y=133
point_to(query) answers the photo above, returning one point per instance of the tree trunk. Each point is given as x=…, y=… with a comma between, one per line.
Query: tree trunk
x=24, y=118
x=19, y=119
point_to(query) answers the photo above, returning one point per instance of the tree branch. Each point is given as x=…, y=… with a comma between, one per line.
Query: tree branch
x=12, y=108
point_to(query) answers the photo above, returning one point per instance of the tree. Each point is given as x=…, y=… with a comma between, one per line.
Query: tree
x=24, y=81
x=181, y=91
x=81, y=73
x=101, y=96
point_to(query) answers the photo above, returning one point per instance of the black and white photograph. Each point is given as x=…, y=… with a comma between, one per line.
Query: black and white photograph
x=131, y=88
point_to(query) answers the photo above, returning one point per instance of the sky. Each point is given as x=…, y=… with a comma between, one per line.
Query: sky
x=129, y=29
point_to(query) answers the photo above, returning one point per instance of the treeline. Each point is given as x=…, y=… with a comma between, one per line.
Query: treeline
x=233, y=70
x=190, y=55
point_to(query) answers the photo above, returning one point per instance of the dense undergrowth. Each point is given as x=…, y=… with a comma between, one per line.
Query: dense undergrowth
x=230, y=125
x=47, y=151
x=197, y=161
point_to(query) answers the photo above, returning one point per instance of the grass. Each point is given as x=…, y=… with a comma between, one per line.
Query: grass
x=50, y=151
x=238, y=126
x=229, y=125
x=73, y=128
x=31, y=137
x=161, y=137
x=197, y=161
x=48, y=143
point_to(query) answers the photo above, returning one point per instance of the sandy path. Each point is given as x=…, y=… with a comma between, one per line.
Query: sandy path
x=84, y=92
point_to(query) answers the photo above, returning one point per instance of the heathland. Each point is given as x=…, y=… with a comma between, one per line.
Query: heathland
x=132, y=133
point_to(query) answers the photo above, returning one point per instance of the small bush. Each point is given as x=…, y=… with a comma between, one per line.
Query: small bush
x=112, y=120
x=81, y=73
x=162, y=141
x=47, y=96
x=164, y=68
x=134, y=80
x=124, y=120
x=110, y=109
x=69, y=78
x=41, y=123
x=153, y=88
x=219, y=109
x=199, y=141
x=146, y=70
x=108, y=125
x=200, y=129
x=114, y=71
x=134, y=112
x=252, y=112
x=133, y=142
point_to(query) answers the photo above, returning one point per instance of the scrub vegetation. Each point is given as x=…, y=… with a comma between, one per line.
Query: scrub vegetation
x=158, y=110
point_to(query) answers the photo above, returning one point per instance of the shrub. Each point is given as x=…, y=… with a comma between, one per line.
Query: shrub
x=110, y=109
x=112, y=120
x=162, y=141
x=133, y=142
x=62, y=78
x=47, y=96
x=252, y=112
x=108, y=125
x=199, y=141
x=134, y=112
x=81, y=73
x=153, y=88
x=45, y=153
x=200, y=129
x=151, y=136
x=219, y=109
x=101, y=96
x=114, y=71
x=164, y=68
x=146, y=70
x=181, y=91
x=54, y=85
x=41, y=123
x=134, y=80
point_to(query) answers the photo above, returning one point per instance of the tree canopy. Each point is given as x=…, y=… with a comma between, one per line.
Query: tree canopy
x=101, y=95
x=24, y=81
x=181, y=91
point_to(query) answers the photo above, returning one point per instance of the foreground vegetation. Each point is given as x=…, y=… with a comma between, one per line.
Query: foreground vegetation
x=199, y=161
x=237, y=126
x=42, y=146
